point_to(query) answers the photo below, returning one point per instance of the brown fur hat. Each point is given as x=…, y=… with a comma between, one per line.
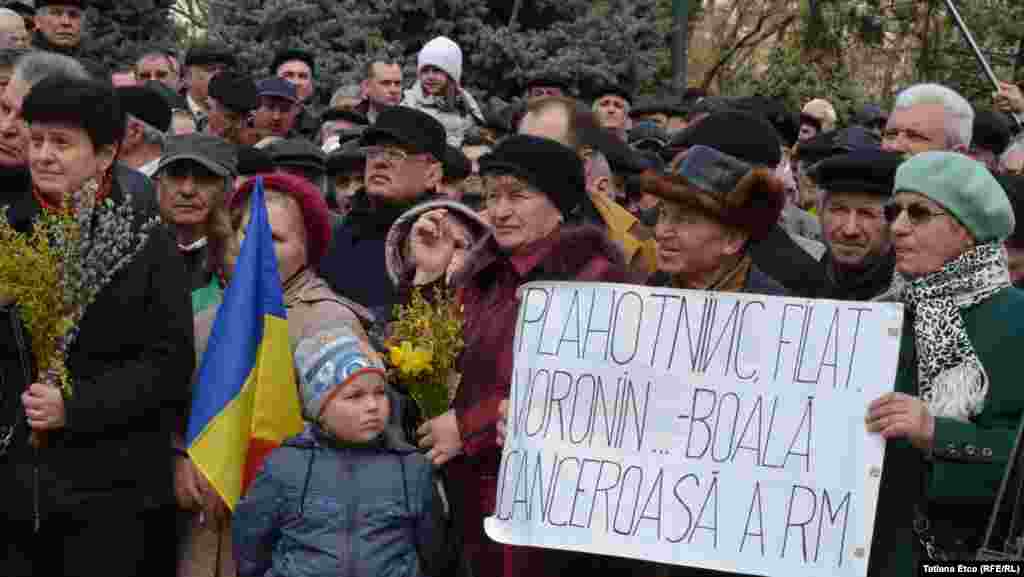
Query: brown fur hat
x=753, y=205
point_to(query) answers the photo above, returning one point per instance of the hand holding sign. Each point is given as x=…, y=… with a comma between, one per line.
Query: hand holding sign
x=898, y=416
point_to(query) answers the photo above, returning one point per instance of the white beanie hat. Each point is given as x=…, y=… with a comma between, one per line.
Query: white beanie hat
x=442, y=52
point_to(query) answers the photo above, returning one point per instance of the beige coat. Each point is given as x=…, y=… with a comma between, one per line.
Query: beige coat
x=312, y=307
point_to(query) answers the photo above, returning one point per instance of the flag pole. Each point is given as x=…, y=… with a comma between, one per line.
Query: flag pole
x=977, y=51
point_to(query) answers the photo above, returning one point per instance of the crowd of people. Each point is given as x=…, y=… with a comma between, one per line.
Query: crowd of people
x=409, y=183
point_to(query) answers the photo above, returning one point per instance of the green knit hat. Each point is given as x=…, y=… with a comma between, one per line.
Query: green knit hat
x=963, y=187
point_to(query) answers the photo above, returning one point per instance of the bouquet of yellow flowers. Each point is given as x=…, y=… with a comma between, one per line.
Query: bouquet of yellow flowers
x=425, y=341
x=56, y=271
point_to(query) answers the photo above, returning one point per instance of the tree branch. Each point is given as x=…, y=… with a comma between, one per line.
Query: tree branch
x=752, y=38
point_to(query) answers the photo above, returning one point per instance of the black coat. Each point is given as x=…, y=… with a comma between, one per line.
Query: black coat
x=782, y=259
x=130, y=369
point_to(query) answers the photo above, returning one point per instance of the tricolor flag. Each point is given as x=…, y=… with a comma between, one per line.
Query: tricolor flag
x=246, y=401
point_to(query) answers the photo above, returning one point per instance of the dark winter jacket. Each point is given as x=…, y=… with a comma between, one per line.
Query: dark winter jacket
x=320, y=508
x=863, y=286
x=354, y=265
x=781, y=258
x=95, y=69
x=130, y=382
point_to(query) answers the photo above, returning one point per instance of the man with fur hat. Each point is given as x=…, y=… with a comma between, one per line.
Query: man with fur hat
x=438, y=90
x=712, y=208
x=858, y=264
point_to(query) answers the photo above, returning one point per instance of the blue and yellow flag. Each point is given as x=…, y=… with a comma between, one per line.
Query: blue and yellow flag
x=246, y=401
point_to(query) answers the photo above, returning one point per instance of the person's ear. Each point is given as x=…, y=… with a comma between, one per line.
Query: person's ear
x=105, y=157
x=602, y=185
x=735, y=240
x=435, y=173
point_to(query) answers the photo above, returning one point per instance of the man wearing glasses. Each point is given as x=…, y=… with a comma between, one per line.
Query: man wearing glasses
x=404, y=150
x=929, y=117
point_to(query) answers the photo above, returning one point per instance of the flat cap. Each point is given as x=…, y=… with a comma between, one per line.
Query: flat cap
x=214, y=153
x=963, y=187
x=297, y=152
x=278, y=88
x=871, y=171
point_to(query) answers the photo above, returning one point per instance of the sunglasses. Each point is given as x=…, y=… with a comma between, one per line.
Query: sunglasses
x=917, y=213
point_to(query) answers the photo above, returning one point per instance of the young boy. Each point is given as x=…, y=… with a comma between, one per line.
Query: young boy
x=346, y=496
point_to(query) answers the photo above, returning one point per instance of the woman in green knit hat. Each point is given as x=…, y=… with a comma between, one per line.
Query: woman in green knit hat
x=952, y=421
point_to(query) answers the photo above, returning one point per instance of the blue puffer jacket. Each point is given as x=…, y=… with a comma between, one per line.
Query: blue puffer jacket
x=321, y=509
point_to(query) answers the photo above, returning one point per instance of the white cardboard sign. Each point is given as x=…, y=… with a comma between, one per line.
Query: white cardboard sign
x=715, y=430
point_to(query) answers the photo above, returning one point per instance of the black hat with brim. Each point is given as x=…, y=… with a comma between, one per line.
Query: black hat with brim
x=146, y=105
x=235, y=92
x=602, y=89
x=216, y=154
x=409, y=127
x=743, y=135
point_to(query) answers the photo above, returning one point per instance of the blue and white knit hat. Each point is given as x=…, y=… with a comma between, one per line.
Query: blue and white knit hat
x=328, y=360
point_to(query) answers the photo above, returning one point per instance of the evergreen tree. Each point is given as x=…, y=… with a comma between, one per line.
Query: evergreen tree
x=502, y=41
x=117, y=31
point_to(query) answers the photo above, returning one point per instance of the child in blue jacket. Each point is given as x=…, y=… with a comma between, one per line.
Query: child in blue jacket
x=346, y=497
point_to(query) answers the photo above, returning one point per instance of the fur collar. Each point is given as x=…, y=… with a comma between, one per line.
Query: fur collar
x=574, y=248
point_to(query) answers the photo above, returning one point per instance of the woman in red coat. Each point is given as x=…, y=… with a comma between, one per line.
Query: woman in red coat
x=533, y=186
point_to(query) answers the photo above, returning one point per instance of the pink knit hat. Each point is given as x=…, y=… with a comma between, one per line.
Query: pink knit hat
x=315, y=213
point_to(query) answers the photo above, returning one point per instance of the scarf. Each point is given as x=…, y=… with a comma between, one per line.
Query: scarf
x=730, y=281
x=859, y=285
x=951, y=379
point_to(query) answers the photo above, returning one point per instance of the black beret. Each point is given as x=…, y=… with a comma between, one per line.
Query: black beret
x=456, y=165
x=333, y=114
x=346, y=160
x=413, y=128
x=297, y=152
x=872, y=171
x=90, y=105
x=1014, y=187
x=991, y=131
x=206, y=54
x=147, y=105
x=235, y=92
x=293, y=54
x=548, y=166
x=746, y=136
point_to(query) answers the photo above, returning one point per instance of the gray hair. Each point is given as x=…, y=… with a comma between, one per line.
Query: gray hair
x=35, y=66
x=959, y=121
x=150, y=134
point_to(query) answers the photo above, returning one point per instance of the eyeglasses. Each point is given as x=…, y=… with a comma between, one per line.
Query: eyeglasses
x=389, y=154
x=917, y=213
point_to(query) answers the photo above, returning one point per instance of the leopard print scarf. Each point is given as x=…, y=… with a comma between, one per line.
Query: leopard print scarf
x=951, y=378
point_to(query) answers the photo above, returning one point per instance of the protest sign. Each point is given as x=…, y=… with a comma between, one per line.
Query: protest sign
x=716, y=430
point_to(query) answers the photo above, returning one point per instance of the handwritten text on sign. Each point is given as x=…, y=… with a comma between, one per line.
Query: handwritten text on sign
x=717, y=430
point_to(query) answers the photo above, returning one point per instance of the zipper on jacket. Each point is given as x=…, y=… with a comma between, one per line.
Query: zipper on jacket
x=19, y=343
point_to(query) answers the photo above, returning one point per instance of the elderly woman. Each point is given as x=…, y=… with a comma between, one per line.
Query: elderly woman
x=104, y=469
x=438, y=90
x=299, y=221
x=709, y=214
x=951, y=423
x=533, y=188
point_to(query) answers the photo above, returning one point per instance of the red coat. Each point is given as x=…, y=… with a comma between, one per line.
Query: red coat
x=489, y=286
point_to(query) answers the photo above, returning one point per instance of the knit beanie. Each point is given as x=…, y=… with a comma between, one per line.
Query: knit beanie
x=442, y=52
x=326, y=362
